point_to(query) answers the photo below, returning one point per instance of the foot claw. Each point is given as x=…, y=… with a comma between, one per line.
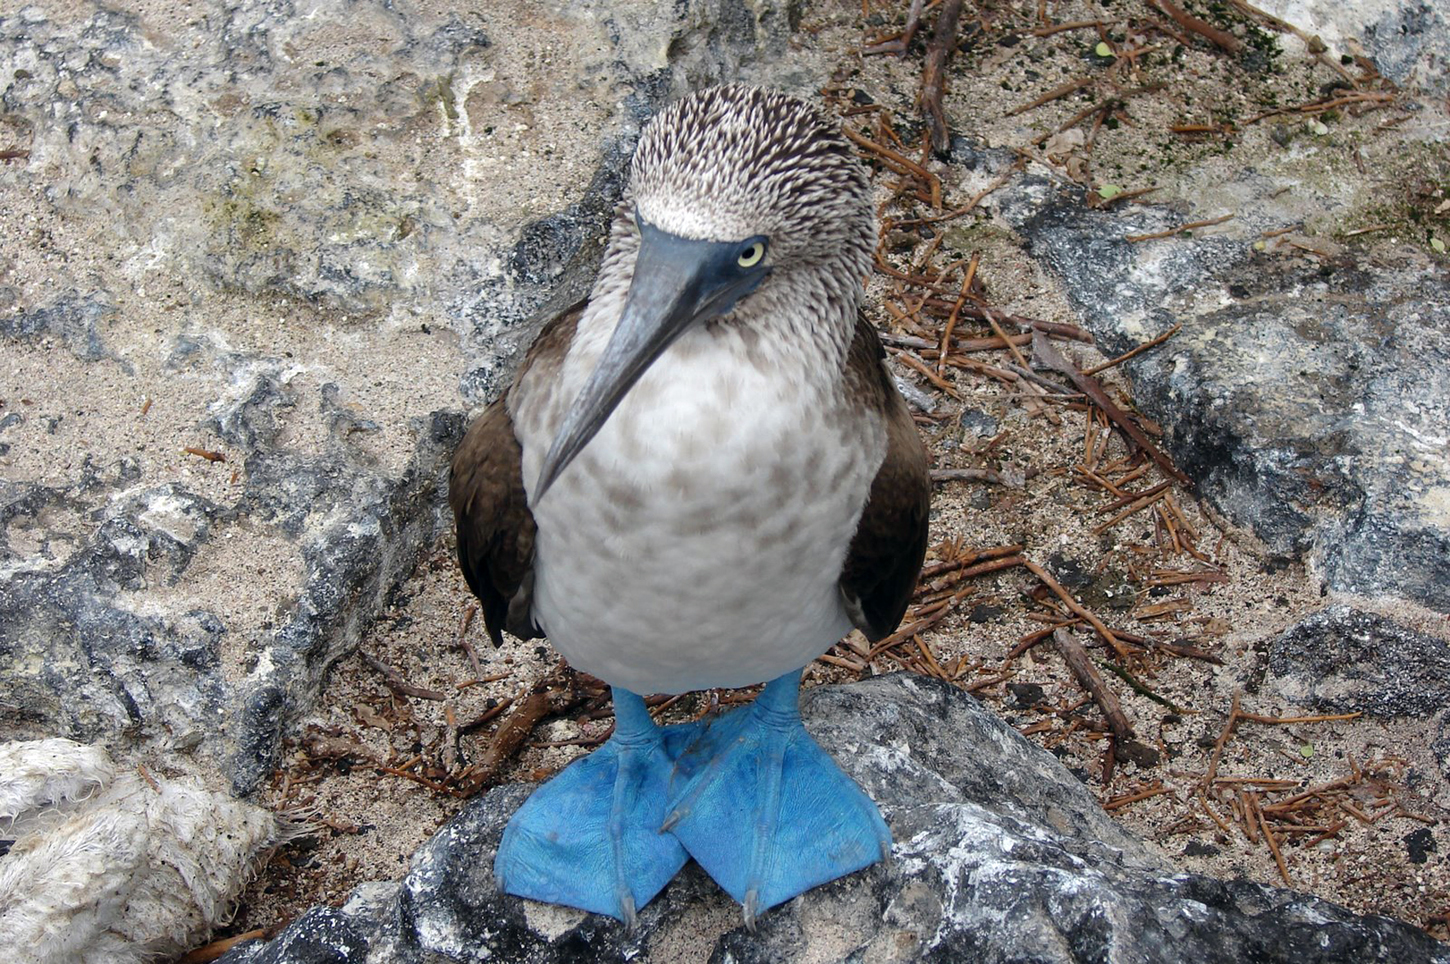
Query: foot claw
x=752, y=908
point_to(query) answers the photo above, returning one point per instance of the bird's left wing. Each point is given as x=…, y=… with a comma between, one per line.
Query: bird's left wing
x=890, y=542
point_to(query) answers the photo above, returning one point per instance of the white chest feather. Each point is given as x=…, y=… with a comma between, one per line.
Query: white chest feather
x=698, y=539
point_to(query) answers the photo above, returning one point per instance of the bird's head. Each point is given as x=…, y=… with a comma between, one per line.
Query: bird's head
x=740, y=194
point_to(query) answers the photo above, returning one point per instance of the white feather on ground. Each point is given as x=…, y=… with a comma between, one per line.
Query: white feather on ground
x=42, y=778
x=108, y=868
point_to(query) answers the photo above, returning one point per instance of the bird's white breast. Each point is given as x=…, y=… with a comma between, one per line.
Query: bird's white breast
x=698, y=539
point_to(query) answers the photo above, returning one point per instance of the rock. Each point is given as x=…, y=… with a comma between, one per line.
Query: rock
x=255, y=226
x=1408, y=42
x=1344, y=660
x=1199, y=848
x=1440, y=746
x=998, y=850
x=72, y=319
x=1419, y=845
x=1304, y=399
x=320, y=936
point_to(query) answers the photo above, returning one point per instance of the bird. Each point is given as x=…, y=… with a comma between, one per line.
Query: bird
x=702, y=476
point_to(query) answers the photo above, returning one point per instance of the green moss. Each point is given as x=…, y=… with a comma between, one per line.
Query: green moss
x=973, y=236
x=245, y=222
x=441, y=92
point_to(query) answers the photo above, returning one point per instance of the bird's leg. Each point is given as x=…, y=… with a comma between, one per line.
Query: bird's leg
x=590, y=837
x=765, y=811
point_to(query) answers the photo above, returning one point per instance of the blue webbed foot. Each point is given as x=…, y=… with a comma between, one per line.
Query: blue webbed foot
x=590, y=837
x=765, y=811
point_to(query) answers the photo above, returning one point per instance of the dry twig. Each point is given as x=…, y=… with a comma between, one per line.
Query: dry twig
x=1082, y=668
x=933, y=80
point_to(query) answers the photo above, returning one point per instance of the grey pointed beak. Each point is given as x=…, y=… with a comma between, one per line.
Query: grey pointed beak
x=678, y=283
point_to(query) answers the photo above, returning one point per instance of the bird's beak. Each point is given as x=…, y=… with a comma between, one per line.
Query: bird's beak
x=678, y=282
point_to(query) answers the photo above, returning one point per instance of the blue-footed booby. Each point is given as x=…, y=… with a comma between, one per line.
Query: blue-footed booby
x=702, y=477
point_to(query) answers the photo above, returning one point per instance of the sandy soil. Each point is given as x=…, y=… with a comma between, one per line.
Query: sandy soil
x=373, y=764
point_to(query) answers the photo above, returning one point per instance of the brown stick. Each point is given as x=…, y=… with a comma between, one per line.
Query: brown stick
x=1053, y=94
x=555, y=693
x=1190, y=226
x=1255, y=717
x=1044, y=351
x=202, y=453
x=214, y=950
x=1051, y=328
x=1132, y=509
x=1189, y=652
x=967, y=475
x=487, y=715
x=1033, y=638
x=899, y=44
x=1051, y=29
x=966, y=345
x=1077, y=607
x=1087, y=674
x=1203, y=801
x=1273, y=845
x=1136, y=351
x=944, y=349
x=970, y=558
x=463, y=642
x=899, y=161
x=1123, y=801
x=1133, y=498
x=933, y=79
x=1228, y=728
x=1209, y=32
x=910, y=361
x=396, y=683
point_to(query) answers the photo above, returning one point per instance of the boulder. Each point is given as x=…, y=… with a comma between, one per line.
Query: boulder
x=1000, y=855
x=229, y=446
x=1306, y=399
x=1345, y=660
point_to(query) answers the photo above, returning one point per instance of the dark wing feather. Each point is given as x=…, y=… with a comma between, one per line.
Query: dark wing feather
x=890, y=542
x=496, y=530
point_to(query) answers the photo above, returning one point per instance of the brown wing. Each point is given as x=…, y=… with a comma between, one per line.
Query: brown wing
x=890, y=543
x=490, y=508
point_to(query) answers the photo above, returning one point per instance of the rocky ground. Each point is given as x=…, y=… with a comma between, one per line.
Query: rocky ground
x=259, y=261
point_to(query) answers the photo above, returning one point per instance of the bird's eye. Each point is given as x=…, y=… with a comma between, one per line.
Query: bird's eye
x=751, y=255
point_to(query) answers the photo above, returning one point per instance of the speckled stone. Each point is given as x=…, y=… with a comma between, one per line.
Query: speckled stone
x=1000, y=855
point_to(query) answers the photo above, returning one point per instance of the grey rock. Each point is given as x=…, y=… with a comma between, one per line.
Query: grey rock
x=1306, y=401
x=313, y=166
x=1344, y=660
x=352, y=565
x=1000, y=855
x=74, y=660
x=73, y=319
x=320, y=936
x=1409, y=42
x=1440, y=746
x=1419, y=845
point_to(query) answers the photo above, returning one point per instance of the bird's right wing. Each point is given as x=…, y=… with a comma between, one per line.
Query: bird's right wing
x=496, y=529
